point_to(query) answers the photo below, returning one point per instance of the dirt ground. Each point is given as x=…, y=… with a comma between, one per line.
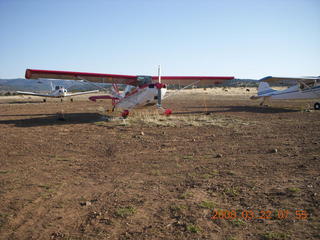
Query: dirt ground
x=220, y=167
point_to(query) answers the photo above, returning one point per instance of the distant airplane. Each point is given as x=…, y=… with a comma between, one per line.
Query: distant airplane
x=57, y=92
x=304, y=88
x=141, y=90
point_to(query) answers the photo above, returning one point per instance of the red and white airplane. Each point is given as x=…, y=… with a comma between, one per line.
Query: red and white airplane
x=141, y=90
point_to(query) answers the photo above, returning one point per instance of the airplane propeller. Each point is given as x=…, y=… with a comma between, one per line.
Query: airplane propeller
x=159, y=86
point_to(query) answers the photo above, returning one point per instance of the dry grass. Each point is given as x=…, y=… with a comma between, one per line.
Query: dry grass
x=157, y=119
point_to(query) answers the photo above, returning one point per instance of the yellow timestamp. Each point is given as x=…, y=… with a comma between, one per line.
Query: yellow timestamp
x=280, y=214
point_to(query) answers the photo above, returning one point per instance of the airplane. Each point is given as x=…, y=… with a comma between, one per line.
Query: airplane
x=57, y=92
x=141, y=90
x=303, y=88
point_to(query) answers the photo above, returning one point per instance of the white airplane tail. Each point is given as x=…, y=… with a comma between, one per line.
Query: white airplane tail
x=264, y=88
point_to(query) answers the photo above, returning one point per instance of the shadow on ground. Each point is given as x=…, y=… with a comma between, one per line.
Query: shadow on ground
x=52, y=119
x=21, y=102
x=252, y=109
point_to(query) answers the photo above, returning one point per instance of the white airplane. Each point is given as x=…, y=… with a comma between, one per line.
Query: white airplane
x=141, y=90
x=57, y=92
x=303, y=88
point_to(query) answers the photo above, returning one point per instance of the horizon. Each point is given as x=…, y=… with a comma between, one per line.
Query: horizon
x=247, y=39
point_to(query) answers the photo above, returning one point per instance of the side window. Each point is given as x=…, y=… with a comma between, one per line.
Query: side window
x=302, y=86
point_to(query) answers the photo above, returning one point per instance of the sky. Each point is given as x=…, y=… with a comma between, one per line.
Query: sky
x=246, y=39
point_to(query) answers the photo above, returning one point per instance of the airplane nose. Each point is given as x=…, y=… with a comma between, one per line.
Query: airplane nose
x=160, y=85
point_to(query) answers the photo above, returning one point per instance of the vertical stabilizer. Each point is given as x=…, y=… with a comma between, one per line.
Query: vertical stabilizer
x=264, y=88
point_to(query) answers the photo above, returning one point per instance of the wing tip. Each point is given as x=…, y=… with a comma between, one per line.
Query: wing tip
x=28, y=73
x=265, y=78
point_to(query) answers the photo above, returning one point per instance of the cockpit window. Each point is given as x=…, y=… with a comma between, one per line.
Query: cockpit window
x=142, y=80
x=302, y=86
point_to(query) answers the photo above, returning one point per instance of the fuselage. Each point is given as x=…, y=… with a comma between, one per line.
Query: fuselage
x=141, y=96
x=59, y=92
x=299, y=91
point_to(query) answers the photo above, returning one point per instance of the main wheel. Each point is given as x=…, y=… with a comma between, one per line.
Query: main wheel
x=44, y=100
x=125, y=114
x=316, y=106
x=71, y=100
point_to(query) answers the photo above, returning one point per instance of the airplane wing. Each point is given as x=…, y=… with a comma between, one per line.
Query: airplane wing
x=288, y=80
x=81, y=93
x=123, y=79
x=33, y=94
x=189, y=80
x=93, y=77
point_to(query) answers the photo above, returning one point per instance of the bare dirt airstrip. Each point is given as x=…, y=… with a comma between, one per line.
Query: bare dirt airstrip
x=220, y=167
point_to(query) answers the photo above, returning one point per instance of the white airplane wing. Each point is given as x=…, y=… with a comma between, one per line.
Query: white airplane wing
x=33, y=94
x=289, y=80
x=81, y=93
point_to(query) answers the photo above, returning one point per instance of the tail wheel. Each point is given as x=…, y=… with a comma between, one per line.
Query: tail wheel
x=316, y=106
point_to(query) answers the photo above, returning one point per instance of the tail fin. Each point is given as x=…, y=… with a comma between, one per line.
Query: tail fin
x=264, y=89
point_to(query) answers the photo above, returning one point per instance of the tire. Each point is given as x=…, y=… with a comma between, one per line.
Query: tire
x=316, y=106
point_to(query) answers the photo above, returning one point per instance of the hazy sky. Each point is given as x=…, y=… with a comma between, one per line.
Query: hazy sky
x=245, y=39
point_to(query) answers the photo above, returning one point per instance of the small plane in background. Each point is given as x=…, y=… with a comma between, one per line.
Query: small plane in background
x=303, y=88
x=141, y=90
x=57, y=92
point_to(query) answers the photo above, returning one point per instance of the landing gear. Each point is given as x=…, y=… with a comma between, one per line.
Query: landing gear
x=316, y=106
x=44, y=100
x=167, y=112
x=265, y=102
x=61, y=100
x=71, y=99
x=125, y=114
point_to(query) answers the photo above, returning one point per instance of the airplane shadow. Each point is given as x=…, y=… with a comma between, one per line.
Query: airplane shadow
x=52, y=119
x=225, y=109
x=21, y=102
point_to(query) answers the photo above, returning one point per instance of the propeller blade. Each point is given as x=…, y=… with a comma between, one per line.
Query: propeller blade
x=159, y=88
x=159, y=97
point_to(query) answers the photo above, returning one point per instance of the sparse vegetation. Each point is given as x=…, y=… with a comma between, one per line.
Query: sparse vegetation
x=125, y=211
x=207, y=204
x=47, y=187
x=157, y=119
x=178, y=208
x=185, y=195
x=193, y=228
x=294, y=189
x=238, y=222
x=232, y=191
